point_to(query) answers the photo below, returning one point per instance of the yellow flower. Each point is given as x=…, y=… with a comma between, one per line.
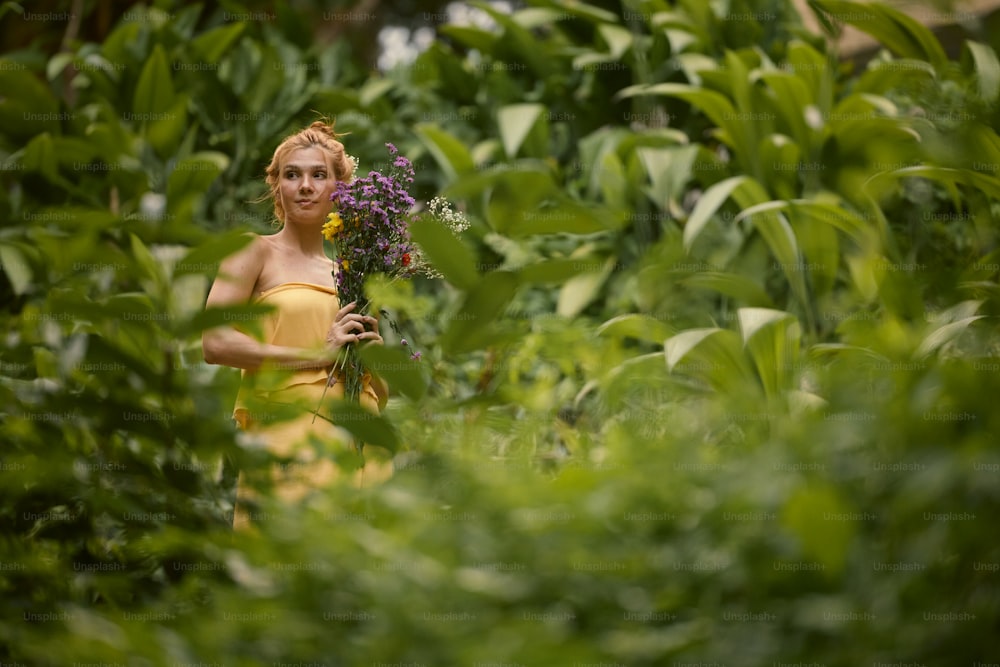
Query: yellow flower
x=344, y=265
x=332, y=226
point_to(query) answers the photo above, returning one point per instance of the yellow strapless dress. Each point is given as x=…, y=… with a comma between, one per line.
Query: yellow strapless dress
x=277, y=405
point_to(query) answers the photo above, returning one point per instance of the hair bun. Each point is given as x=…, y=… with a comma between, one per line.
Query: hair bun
x=324, y=127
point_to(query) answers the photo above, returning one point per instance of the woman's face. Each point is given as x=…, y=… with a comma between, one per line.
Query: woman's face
x=305, y=184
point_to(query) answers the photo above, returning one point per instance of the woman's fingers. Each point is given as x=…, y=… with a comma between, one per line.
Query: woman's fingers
x=344, y=311
x=349, y=326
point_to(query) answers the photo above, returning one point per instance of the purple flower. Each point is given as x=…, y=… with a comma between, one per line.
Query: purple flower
x=402, y=341
x=415, y=356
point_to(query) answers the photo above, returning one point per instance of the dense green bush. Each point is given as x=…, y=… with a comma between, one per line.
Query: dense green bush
x=711, y=379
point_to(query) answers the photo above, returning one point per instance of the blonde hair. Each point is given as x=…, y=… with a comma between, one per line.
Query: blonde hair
x=319, y=134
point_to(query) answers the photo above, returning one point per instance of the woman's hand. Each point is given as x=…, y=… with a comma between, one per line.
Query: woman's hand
x=349, y=327
x=376, y=337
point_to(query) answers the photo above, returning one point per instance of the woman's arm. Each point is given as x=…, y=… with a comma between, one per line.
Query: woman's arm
x=225, y=345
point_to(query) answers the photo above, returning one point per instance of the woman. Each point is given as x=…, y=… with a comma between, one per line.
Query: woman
x=285, y=368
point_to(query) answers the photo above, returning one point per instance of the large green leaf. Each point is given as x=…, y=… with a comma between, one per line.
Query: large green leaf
x=636, y=325
x=582, y=289
x=781, y=241
x=716, y=355
x=515, y=122
x=744, y=189
x=15, y=265
x=901, y=33
x=453, y=157
x=154, y=94
x=472, y=326
x=248, y=316
x=205, y=257
x=32, y=110
x=40, y=156
x=565, y=217
x=517, y=41
x=481, y=40
x=715, y=105
x=987, y=69
x=740, y=287
x=944, y=334
x=525, y=202
x=772, y=339
x=446, y=253
x=793, y=100
x=394, y=365
x=558, y=270
x=210, y=45
x=823, y=524
x=368, y=428
x=669, y=171
x=193, y=175
x=145, y=263
x=585, y=11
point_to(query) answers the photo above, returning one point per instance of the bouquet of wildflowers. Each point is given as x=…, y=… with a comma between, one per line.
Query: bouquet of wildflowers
x=370, y=231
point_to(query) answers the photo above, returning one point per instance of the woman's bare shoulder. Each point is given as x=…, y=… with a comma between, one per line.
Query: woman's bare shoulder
x=240, y=271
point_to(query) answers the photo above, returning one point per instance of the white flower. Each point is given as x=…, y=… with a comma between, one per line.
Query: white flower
x=441, y=209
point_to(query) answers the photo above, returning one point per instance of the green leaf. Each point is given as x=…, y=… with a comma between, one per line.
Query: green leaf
x=669, y=171
x=581, y=290
x=772, y=338
x=205, y=257
x=210, y=45
x=517, y=41
x=780, y=239
x=987, y=69
x=122, y=306
x=192, y=176
x=618, y=39
x=450, y=153
x=515, y=198
x=394, y=365
x=446, y=253
x=246, y=316
x=944, y=334
x=15, y=265
x=900, y=33
x=471, y=327
x=817, y=515
x=820, y=247
x=368, y=428
x=57, y=64
x=373, y=89
x=715, y=105
x=154, y=93
x=558, y=270
x=611, y=180
x=515, y=122
x=638, y=326
x=481, y=40
x=40, y=156
x=738, y=286
x=147, y=264
x=707, y=205
x=32, y=110
x=585, y=11
x=713, y=354
x=735, y=131
x=566, y=217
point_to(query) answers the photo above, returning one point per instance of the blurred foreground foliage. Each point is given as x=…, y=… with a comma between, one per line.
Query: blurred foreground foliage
x=711, y=380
